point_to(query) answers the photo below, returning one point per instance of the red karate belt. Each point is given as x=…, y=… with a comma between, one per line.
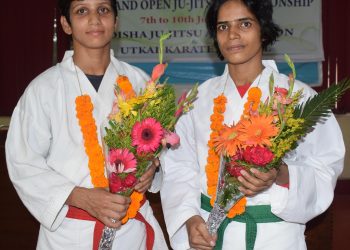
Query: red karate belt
x=80, y=214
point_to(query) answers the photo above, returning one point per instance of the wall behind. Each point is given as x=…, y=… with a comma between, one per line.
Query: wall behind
x=25, y=46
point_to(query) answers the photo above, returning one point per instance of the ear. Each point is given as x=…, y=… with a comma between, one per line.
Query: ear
x=65, y=25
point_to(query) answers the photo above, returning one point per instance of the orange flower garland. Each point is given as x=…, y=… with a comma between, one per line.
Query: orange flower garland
x=213, y=160
x=84, y=108
x=93, y=149
x=252, y=104
x=134, y=207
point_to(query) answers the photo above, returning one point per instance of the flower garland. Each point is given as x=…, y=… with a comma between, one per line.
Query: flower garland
x=84, y=108
x=213, y=160
x=136, y=199
x=253, y=101
x=93, y=149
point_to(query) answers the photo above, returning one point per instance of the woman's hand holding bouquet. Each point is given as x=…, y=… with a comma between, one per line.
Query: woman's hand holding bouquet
x=139, y=127
x=247, y=156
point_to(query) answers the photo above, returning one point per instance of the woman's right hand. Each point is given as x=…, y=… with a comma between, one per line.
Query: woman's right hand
x=198, y=234
x=106, y=207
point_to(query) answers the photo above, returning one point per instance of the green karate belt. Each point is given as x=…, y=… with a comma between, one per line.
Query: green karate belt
x=251, y=216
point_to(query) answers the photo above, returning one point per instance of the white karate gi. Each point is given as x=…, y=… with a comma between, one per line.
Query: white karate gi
x=313, y=170
x=46, y=158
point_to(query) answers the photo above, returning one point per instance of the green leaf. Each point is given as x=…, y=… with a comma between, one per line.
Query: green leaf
x=320, y=105
x=271, y=85
x=161, y=47
x=290, y=64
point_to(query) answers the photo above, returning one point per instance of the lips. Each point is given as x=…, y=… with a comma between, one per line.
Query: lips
x=235, y=48
x=95, y=32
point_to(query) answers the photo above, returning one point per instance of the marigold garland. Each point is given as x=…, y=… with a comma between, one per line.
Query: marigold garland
x=134, y=206
x=84, y=108
x=253, y=101
x=213, y=160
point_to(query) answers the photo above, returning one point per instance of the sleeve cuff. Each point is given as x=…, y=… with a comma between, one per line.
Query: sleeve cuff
x=157, y=181
x=57, y=210
x=284, y=185
x=279, y=198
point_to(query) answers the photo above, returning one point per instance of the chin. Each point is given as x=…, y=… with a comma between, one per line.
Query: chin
x=98, y=46
x=236, y=59
x=241, y=58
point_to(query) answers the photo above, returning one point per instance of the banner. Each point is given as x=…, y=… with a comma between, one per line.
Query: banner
x=301, y=22
x=141, y=22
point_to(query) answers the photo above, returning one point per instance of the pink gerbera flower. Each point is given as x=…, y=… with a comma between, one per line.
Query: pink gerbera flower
x=122, y=161
x=146, y=135
x=170, y=139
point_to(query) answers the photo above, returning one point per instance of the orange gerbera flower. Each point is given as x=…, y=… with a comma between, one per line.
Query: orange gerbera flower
x=257, y=130
x=125, y=87
x=227, y=142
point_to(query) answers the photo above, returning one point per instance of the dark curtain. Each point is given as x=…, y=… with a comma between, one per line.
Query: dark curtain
x=26, y=46
x=336, y=41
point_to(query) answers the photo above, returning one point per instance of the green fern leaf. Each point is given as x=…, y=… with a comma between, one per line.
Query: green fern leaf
x=320, y=105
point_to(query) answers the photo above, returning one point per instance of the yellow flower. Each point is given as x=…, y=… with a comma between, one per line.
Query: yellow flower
x=155, y=102
x=151, y=89
x=117, y=117
x=125, y=108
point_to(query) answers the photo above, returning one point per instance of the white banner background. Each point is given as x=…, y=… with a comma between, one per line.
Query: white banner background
x=141, y=22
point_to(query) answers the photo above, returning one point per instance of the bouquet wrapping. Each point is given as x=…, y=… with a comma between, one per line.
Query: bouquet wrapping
x=266, y=132
x=138, y=128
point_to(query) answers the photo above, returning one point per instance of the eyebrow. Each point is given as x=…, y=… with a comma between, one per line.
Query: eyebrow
x=237, y=20
x=81, y=2
x=84, y=1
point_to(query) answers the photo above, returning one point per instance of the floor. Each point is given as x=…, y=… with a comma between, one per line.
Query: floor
x=341, y=216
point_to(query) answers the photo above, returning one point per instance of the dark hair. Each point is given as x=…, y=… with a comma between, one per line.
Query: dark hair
x=64, y=6
x=261, y=9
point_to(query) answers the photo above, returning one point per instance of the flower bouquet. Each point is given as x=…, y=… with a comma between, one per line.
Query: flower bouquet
x=138, y=128
x=264, y=134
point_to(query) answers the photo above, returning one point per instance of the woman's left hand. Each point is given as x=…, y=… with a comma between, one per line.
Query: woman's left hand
x=256, y=181
x=146, y=179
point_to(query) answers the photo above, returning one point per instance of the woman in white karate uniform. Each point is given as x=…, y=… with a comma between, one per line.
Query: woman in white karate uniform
x=303, y=187
x=45, y=151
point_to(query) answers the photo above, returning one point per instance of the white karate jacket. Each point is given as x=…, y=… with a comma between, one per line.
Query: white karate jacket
x=313, y=170
x=46, y=157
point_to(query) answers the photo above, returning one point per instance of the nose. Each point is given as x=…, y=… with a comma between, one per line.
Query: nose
x=233, y=32
x=94, y=18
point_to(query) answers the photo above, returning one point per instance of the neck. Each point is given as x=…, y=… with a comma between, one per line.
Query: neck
x=92, y=62
x=245, y=73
